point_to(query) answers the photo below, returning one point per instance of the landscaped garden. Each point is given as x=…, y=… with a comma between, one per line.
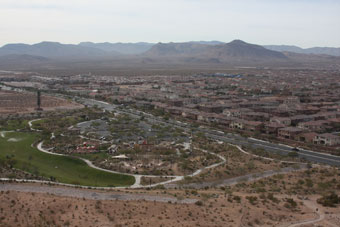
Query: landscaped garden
x=17, y=152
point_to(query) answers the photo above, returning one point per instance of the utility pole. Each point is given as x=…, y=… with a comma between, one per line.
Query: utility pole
x=39, y=101
x=191, y=141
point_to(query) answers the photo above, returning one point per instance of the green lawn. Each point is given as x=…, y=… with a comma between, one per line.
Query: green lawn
x=11, y=125
x=64, y=169
x=93, y=156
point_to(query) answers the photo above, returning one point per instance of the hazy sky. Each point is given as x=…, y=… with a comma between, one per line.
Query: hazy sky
x=305, y=23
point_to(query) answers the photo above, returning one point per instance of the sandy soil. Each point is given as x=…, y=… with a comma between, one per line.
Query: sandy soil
x=25, y=102
x=217, y=209
x=237, y=164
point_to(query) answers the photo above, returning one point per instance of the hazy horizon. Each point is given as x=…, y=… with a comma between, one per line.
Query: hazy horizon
x=301, y=23
x=274, y=44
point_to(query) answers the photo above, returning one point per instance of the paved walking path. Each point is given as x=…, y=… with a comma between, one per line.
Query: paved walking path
x=3, y=133
x=172, y=179
x=138, y=177
x=240, y=179
x=30, y=124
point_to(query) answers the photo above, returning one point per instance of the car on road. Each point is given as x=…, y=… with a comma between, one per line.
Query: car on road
x=295, y=149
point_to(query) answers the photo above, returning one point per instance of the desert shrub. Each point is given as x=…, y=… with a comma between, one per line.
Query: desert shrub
x=271, y=197
x=290, y=203
x=237, y=198
x=330, y=200
x=252, y=199
x=309, y=183
x=199, y=203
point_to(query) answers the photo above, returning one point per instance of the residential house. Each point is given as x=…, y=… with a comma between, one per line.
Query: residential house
x=190, y=114
x=256, y=116
x=295, y=120
x=327, y=139
x=175, y=102
x=211, y=108
x=307, y=137
x=246, y=125
x=281, y=120
x=236, y=112
x=289, y=132
x=272, y=127
x=315, y=126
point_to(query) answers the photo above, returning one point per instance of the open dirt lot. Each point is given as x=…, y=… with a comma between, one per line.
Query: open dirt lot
x=37, y=205
x=24, y=102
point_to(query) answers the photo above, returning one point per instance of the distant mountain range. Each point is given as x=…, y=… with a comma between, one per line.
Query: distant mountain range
x=24, y=61
x=195, y=53
x=314, y=50
x=122, y=48
x=54, y=50
x=90, y=50
x=235, y=51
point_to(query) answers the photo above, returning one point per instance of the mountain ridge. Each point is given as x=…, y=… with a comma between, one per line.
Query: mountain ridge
x=333, y=51
x=187, y=54
x=53, y=50
x=236, y=50
x=122, y=48
x=105, y=49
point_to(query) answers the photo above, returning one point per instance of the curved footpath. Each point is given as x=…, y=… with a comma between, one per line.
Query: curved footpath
x=3, y=133
x=226, y=182
x=310, y=155
x=245, y=178
x=173, y=179
x=30, y=124
x=319, y=215
x=138, y=177
x=240, y=179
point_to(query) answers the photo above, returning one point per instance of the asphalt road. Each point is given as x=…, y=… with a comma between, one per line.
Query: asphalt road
x=309, y=155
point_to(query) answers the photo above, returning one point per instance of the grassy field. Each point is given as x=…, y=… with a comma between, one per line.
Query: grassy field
x=15, y=149
x=93, y=156
x=9, y=125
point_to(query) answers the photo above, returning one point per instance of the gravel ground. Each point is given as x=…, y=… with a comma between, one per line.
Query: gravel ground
x=236, y=180
x=88, y=194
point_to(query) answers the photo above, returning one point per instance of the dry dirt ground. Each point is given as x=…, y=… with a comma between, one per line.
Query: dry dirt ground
x=25, y=102
x=217, y=209
x=282, y=200
x=237, y=164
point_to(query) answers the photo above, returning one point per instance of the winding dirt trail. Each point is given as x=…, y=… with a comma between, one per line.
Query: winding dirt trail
x=319, y=213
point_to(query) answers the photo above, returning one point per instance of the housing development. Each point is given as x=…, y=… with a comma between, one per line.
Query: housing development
x=155, y=113
x=298, y=107
x=241, y=137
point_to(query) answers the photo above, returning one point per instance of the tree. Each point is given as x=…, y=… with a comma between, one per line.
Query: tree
x=330, y=200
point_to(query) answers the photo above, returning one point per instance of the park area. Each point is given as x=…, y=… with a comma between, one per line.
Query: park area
x=16, y=151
